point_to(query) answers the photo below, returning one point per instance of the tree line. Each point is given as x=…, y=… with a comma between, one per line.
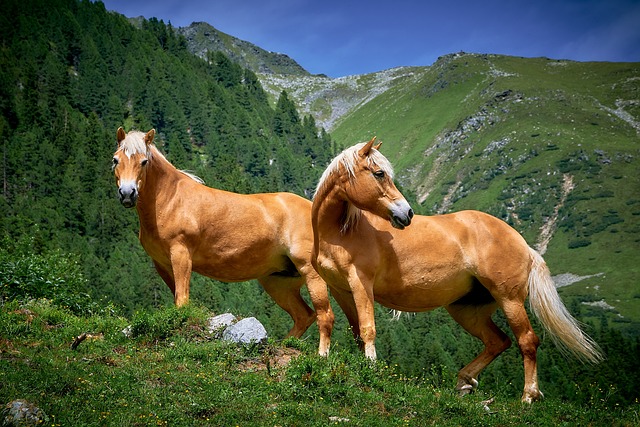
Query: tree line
x=71, y=73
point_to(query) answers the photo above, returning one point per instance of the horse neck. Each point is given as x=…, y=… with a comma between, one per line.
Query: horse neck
x=160, y=181
x=329, y=209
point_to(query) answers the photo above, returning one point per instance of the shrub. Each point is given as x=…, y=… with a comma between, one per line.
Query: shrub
x=165, y=322
x=53, y=275
x=578, y=243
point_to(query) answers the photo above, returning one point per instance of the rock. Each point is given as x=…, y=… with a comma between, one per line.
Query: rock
x=22, y=413
x=217, y=324
x=128, y=331
x=246, y=331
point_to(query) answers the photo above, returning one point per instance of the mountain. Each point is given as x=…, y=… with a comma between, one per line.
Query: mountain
x=549, y=146
x=330, y=99
x=202, y=38
x=326, y=99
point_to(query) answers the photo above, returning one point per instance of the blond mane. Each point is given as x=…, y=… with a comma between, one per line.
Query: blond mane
x=348, y=159
x=134, y=144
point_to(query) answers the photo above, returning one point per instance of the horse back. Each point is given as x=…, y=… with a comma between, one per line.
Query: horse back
x=449, y=251
x=230, y=236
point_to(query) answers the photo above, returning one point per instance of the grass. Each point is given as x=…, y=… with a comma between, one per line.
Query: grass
x=171, y=373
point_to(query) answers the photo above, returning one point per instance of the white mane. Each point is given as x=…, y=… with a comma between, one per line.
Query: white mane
x=134, y=144
x=348, y=159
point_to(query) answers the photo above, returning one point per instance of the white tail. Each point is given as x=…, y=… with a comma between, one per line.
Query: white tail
x=548, y=307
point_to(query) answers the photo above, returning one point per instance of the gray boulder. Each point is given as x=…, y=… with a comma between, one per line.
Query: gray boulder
x=246, y=331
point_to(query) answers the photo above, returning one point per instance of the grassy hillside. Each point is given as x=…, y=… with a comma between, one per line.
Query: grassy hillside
x=170, y=372
x=534, y=141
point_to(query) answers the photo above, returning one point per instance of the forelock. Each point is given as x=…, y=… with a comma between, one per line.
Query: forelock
x=134, y=144
x=349, y=158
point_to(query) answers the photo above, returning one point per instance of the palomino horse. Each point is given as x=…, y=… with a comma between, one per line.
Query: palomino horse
x=186, y=226
x=469, y=262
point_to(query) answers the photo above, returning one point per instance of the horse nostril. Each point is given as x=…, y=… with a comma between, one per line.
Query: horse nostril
x=410, y=213
x=127, y=193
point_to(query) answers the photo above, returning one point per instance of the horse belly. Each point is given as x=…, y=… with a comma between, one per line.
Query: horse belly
x=422, y=295
x=239, y=266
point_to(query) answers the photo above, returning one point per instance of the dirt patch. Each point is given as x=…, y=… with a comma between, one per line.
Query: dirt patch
x=271, y=358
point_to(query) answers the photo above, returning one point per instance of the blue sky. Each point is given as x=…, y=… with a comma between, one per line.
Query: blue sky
x=346, y=37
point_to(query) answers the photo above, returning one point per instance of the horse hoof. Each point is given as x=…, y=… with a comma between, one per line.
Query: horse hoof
x=532, y=396
x=466, y=388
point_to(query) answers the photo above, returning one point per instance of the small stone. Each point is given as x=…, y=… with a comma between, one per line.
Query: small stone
x=128, y=331
x=22, y=413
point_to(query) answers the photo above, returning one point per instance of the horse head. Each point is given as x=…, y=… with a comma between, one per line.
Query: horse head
x=371, y=186
x=130, y=163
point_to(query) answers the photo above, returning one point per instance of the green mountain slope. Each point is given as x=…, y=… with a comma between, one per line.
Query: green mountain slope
x=552, y=147
x=549, y=146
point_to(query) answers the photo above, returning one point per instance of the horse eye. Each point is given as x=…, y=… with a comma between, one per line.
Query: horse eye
x=379, y=174
x=115, y=162
x=144, y=162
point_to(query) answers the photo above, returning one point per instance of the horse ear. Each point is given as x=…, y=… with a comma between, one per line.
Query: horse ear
x=378, y=145
x=120, y=135
x=364, y=151
x=148, y=138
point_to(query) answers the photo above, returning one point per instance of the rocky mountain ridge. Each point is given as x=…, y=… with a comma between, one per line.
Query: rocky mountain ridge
x=202, y=37
x=329, y=100
x=326, y=99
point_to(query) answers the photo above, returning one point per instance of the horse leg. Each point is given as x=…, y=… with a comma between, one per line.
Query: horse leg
x=348, y=306
x=181, y=266
x=476, y=319
x=528, y=342
x=320, y=300
x=286, y=293
x=363, y=299
x=166, y=276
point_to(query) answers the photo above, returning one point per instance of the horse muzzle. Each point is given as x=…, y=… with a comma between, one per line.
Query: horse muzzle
x=400, y=214
x=128, y=195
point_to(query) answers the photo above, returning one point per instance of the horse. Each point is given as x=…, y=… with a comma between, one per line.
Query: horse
x=186, y=226
x=468, y=262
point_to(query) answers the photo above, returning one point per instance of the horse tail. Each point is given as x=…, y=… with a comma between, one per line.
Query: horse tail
x=548, y=307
